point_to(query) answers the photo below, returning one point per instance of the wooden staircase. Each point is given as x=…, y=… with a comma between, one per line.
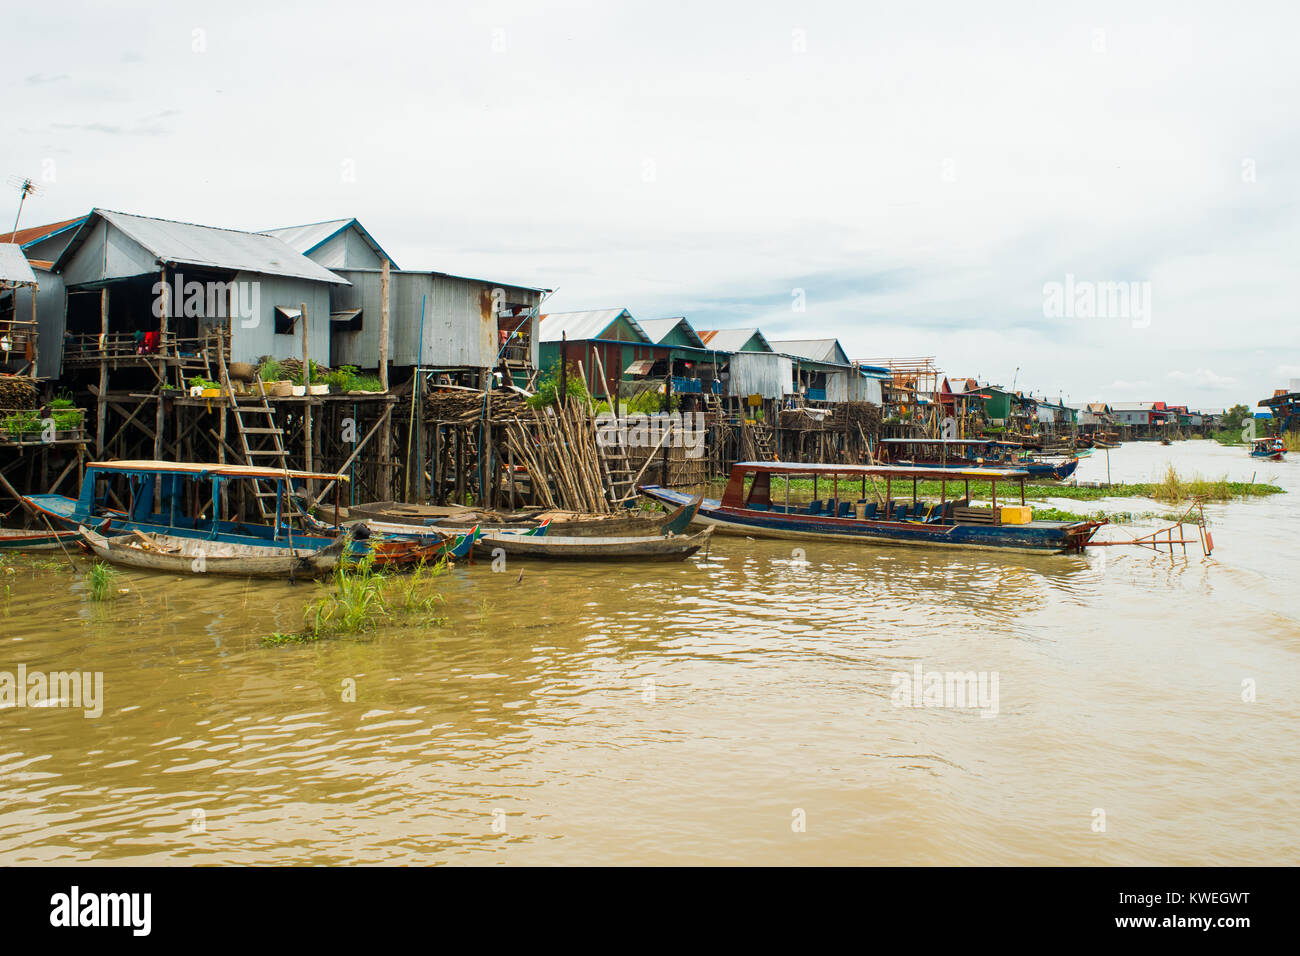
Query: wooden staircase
x=619, y=477
x=261, y=439
x=763, y=442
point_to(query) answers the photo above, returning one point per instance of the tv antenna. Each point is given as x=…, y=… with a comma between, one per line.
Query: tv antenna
x=25, y=188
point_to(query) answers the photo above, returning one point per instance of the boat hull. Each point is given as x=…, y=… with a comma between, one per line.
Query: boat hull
x=639, y=548
x=181, y=555
x=1037, y=537
x=12, y=539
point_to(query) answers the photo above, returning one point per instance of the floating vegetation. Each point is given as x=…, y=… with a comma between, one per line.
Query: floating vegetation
x=359, y=599
x=99, y=580
x=1173, y=488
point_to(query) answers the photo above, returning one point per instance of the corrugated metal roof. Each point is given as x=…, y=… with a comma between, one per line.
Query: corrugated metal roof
x=815, y=350
x=186, y=243
x=659, y=329
x=307, y=237
x=13, y=264
x=579, y=326
x=729, y=340
x=31, y=234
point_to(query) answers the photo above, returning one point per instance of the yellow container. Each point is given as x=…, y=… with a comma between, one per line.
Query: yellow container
x=1017, y=514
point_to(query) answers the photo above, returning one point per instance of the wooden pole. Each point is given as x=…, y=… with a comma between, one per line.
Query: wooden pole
x=101, y=402
x=306, y=404
x=386, y=430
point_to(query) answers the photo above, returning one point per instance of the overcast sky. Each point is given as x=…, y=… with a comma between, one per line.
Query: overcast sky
x=919, y=172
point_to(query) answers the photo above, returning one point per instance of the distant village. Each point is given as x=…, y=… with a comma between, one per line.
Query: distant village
x=130, y=337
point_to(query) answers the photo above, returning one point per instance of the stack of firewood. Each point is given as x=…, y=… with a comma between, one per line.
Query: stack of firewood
x=17, y=393
x=465, y=406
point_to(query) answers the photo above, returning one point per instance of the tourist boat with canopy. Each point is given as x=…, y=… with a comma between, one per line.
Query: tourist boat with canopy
x=973, y=453
x=1274, y=449
x=864, y=505
x=209, y=501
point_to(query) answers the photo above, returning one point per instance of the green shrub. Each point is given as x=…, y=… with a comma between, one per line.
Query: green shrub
x=548, y=387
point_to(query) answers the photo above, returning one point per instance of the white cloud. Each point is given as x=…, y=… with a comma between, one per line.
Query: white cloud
x=972, y=153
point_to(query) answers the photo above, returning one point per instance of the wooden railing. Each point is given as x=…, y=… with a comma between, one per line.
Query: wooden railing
x=119, y=347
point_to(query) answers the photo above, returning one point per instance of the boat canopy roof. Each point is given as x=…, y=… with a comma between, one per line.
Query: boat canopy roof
x=948, y=441
x=199, y=469
x=884, y=471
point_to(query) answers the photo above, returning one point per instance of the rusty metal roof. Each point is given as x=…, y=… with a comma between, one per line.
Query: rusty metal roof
x=25, y=237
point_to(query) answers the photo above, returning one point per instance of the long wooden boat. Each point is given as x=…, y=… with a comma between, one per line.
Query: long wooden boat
x=1271, y=448
x=18, y=539
x=186, y=555
x=973, y=453
x=192, y=495
x=658, y=547
x=750, y=506
x=398, y=518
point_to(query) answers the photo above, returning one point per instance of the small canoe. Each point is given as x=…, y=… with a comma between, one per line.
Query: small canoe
x=180, y=555
x=623, y=548
x=17, y=539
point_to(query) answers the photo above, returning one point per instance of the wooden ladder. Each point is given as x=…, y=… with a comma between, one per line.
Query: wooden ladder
x=262, y=442
x=619, y=476
x=763, y=442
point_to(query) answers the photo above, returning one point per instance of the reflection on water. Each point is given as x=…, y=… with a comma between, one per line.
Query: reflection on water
x=685, y=713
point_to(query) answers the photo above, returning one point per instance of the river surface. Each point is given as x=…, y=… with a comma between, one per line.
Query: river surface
x=741, y=707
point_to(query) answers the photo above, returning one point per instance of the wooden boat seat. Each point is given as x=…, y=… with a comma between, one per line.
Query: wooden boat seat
x=976, y=516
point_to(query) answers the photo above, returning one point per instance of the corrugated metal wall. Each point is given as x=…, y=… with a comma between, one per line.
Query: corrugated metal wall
x=460, y=326
x=761, y=373
x=108, y=254
x=51, y=306
x=849, y=386
x=250, y=344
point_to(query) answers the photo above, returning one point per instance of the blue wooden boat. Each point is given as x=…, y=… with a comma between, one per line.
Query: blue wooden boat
x=973, y=453
x=1271, y=448
x=191, y=497
x=858, y=511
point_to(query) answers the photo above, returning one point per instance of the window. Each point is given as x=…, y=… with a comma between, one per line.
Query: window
x=286, y=319
x=347, y=320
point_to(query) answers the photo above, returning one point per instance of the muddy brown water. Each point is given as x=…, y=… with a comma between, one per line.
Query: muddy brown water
x=741, y=707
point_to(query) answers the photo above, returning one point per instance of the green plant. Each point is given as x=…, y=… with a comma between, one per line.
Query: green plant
x=269, y=370
x=198, y=381
x=99, y=581
x=548, y=387
x=30, y=422
x=355, y=604
x=63, y=399
x=317, y=375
